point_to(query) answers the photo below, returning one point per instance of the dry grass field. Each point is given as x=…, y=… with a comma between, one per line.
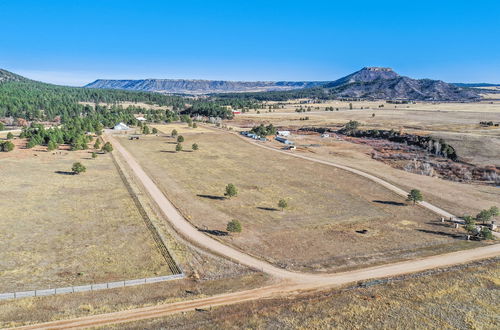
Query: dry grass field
x=59, y=229
x=50, y=308
x=459, y=298
x=483, y=106
x=429, y=120
x=329, y=209
x=455, y=197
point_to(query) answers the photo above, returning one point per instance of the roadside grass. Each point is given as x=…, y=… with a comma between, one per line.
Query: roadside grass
x=323, y=229
x=59, y=229
x=459, y=298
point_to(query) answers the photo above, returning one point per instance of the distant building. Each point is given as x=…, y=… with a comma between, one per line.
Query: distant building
x=121, y=127
x=236, y=112
x=283, y=140
x=140, y=118
x=325, y=135
x=284, y=133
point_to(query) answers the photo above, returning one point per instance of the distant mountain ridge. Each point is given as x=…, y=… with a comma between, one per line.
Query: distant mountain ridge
x=193, y=86
x=374, y=83
x=476, y=85
x=384, y=83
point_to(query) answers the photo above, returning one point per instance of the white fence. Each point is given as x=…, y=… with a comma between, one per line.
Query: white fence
x=90, y=287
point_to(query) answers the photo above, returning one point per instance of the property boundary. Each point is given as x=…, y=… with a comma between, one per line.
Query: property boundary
x=172, y=264
x=89, y=287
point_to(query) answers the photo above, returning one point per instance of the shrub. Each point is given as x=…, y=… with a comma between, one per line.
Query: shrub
x=6, y=146
x=282, y=204
x=107, y=147
x=178, y=147
x=180, y=139
x=78, y=168
x=231, y=190
x=234, y=226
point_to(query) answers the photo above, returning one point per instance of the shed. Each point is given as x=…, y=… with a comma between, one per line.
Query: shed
x=121, y=127
x=284, y=133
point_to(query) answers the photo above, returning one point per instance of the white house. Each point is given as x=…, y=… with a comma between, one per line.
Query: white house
x=121, y=127
x=140, y=118
x=284, y=133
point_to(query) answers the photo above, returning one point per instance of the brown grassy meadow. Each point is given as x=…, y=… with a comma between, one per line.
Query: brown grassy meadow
x=59, y=229
x=322, y=229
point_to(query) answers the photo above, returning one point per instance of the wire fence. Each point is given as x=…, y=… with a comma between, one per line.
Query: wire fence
x=89, y=287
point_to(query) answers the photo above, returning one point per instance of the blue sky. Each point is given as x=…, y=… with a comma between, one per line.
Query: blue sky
x=75, y=42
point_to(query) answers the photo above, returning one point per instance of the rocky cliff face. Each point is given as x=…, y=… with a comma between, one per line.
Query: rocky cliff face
x=187, y=86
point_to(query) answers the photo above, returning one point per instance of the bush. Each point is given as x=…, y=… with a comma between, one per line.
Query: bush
x=31, y=144
x=51, y=145
x=194, y=146
x=78, y=168
x=282, y=204
x=10, y=136
x=107, y=147
x=231, y=190
x=180, y=139
x=6, y=146
x=154, y=130
x=94, y=155
x=174, y=133
x=234, y=226
x=178, y=147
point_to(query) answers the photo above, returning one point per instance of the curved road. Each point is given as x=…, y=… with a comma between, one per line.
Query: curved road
x=290, y=282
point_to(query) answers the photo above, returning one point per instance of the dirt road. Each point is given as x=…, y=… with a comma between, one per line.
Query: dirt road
x=289, y=282
x=286, y=287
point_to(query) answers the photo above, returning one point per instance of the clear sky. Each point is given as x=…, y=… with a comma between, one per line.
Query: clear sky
x=75, y=42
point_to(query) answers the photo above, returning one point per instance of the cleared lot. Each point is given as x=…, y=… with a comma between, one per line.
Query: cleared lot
x=59, y=229
x=335, y=219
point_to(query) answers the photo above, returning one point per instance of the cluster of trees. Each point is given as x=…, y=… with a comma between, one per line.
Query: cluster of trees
x=314, y=93
x=262, y=130
x=208, y=109
x=38, y=101
x=483, y=216
x=72, y=133
x=437, y=147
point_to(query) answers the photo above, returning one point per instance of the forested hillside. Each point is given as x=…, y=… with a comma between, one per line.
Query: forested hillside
x=36, y=101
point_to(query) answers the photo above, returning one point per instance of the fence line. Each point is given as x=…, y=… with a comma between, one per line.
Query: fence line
x=160, y=244
x=89, y=287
